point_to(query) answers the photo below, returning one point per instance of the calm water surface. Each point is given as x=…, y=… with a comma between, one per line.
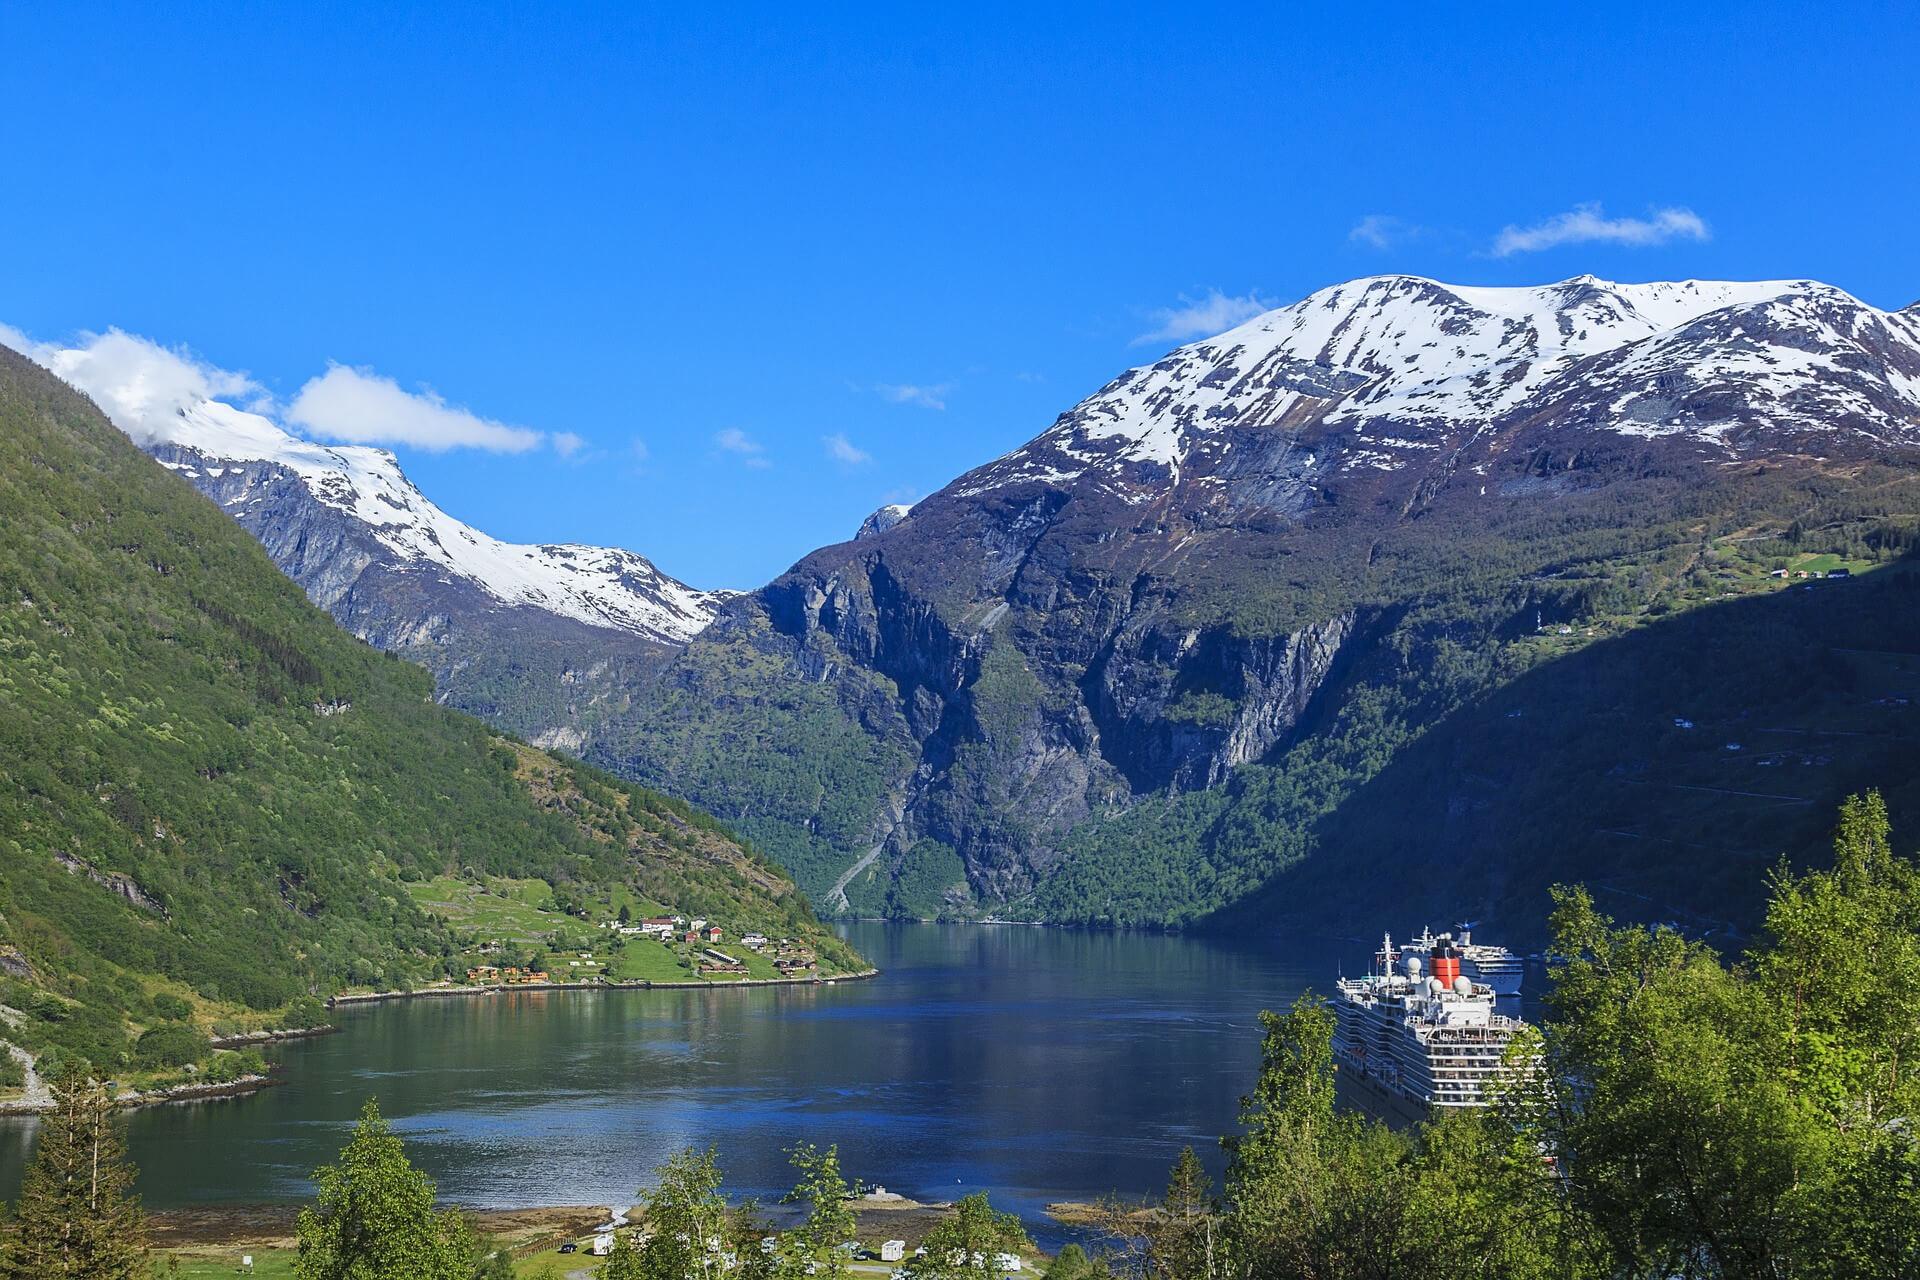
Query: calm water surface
x=1039, y=1064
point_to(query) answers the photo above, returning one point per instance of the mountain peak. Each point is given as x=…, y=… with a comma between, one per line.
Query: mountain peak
x=883, y=519
x=1395, y=367
x=599, y=586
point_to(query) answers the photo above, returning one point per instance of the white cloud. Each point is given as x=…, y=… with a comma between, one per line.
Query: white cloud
x=143, y=386
x=932, y=396
x=742, y=446
x=1588, y=224
x=362, y=407
x=1382, y=231
x=139, y=384
x=841, y=449
x=638, y=448
x=1202, y=317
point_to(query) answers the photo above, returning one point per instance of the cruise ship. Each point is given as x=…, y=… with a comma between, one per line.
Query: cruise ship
x=1494, y=966
x=1407, y=1043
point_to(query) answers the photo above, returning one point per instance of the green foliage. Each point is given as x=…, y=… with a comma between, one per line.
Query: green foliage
x=376, y=1220
x=171, y=1007
x=966, y=1245
x=688, y=1223
x=623, y=1263
x=303, y=1012
x=813, y=1248
x=924, y=884
x=77, y=1217
x=1072, y=1263
x=202, y=777
x=172, y=1044
x=800, y=768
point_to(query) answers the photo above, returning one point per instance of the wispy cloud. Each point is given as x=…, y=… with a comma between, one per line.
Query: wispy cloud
x=841, y=449
x=1383, y=231
x=567, y=443
x=742, y=446
x=1588, y=224
x=360, y=406
x=932, y=396
x=1202, y=317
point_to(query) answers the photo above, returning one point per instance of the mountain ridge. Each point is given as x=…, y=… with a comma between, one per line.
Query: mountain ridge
x=1205, y=563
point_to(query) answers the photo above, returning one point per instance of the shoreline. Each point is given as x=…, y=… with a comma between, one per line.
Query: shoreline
x=133, y=1099
x=597, y=984
x=272, y=1036
x=247, y=1085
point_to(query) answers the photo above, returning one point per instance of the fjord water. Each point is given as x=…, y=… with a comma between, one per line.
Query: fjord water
x=1040, y=1064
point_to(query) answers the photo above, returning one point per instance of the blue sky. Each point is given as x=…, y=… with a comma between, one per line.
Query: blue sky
x=715, y=247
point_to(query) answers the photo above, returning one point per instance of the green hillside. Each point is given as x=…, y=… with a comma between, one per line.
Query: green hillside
x=207, y=790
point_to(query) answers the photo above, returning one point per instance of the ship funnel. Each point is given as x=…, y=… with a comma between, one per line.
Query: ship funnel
x=1446, y=961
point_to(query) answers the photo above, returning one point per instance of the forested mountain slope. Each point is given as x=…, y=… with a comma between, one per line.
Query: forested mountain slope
x=206, y=786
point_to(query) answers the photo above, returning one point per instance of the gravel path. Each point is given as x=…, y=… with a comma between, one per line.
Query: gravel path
x=37, y=1093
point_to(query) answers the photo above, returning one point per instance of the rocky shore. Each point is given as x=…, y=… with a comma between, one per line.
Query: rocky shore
x=597, y=984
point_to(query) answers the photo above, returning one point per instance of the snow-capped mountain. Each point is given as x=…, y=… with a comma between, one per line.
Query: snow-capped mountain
x=1217, y=551
x=245, y=462
x=1393, y=370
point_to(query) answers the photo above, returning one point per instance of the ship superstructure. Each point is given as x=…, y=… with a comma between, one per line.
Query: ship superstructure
x=1495, y=966
x=1418, y=1034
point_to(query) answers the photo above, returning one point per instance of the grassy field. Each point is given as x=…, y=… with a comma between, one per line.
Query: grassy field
x=504, y=908
x=204, y=1264
x=277, y=1264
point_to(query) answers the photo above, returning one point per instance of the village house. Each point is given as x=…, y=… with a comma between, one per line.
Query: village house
x=713, y=933
x=754, y=941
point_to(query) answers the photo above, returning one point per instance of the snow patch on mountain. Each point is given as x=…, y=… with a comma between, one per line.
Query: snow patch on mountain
x=883, y=519
x=1402, y=364
x=599, y=586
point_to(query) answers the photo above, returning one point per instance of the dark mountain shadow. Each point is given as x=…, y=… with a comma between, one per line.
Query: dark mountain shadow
x=1667, y=769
